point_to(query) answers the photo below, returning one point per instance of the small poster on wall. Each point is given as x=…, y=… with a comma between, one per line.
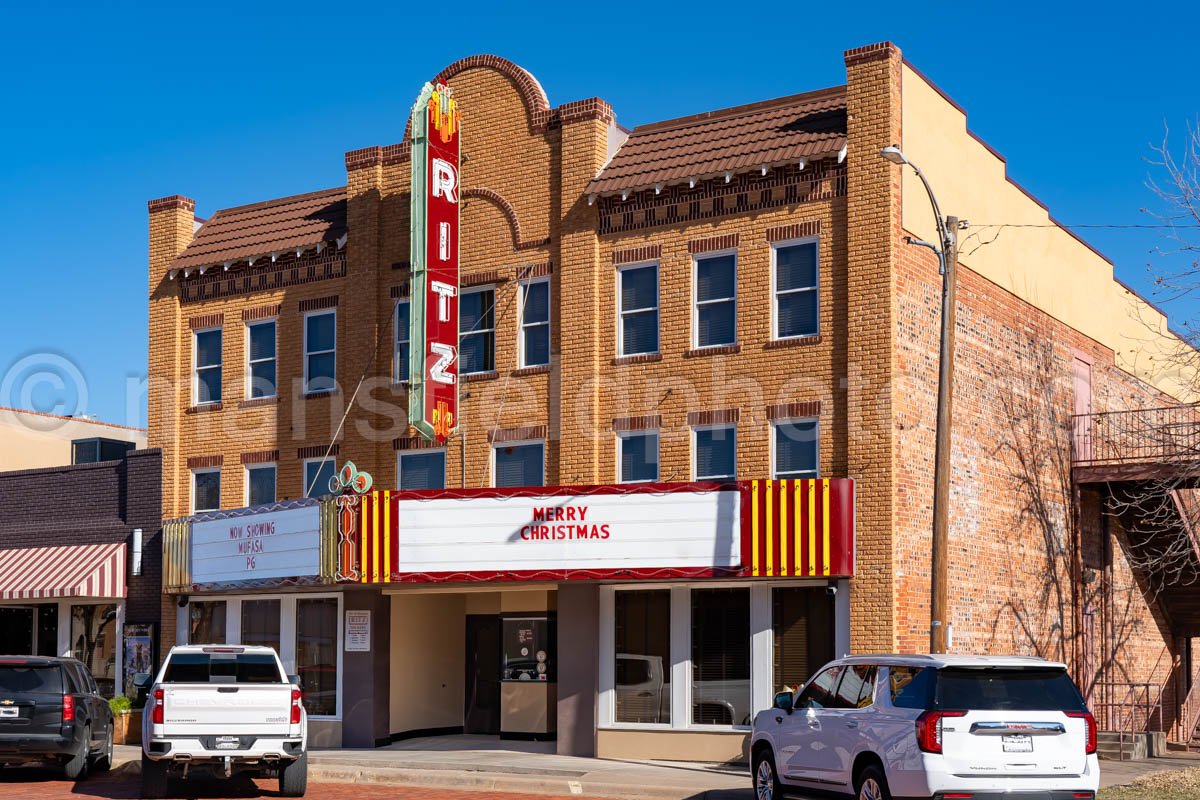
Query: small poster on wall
x=527, y=648
x=358, y=631
x=139, y=653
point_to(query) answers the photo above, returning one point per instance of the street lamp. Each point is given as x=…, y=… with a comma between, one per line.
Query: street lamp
x=947, y=253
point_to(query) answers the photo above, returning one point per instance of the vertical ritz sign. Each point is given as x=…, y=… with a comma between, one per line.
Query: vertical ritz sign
x=433, y=331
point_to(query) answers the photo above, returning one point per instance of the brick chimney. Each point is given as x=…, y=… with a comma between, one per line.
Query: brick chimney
x=172, y=222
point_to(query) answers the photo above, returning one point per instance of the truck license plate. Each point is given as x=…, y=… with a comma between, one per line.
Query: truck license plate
x=228, y=742
x=1017, y=744
x=10, y=712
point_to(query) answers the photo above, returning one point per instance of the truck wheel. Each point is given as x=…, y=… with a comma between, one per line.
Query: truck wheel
x=103, y=761
x=76, y=767
x=766, y=781
x=293, y=777
x=870, y=784
x=154, y=778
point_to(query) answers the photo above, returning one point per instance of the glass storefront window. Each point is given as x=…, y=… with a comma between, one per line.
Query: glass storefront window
x=260, y=623
x=316, y=653
x=94, y=642
x=802, y=624
x=206, y=622
x=643, y=656
x=721, y=657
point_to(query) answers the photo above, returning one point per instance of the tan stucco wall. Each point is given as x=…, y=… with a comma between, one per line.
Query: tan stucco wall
x=715, y=747
x=1047, y=267
x=30, y=440
x=527, y=707
x=427, y=658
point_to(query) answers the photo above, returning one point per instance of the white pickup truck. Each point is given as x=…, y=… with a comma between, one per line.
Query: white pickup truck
x=221, y=709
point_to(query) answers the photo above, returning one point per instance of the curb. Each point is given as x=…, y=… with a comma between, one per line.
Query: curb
x=491, y=781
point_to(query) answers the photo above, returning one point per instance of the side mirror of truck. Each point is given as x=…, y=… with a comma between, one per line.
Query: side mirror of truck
x=784, y=701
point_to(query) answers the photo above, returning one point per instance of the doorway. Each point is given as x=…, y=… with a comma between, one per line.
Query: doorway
x=481, y=714
x=17, y=631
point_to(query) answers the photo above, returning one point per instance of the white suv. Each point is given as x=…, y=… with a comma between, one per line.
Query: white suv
x=948, y=726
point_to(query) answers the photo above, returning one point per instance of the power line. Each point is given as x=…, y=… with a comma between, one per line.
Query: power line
x=1065, y=225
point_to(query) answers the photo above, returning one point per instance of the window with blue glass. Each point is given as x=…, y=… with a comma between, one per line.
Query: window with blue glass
x=208, y=367
x=796, y=296
x=477, y=331
x=320, y=352
x=422, y=469
x=535, y=323
x=260, y=484
x=716, y=449
x=400, y=352
x=260, y=355
x=637, y=290
x=317, y=473
x=795, y=444
x=519, y=465
x=639, y=456
x=716, y=300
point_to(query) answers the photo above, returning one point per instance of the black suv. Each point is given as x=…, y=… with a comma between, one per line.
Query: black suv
x=52, y=712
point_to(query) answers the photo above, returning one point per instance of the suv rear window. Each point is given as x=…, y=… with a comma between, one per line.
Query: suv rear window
x=222, y=668
x=1008, y=690
x=17, y=679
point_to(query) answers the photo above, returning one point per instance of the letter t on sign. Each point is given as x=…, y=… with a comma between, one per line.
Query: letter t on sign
x=444, y=291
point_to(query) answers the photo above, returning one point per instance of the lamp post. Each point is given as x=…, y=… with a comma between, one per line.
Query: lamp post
x=947, y=253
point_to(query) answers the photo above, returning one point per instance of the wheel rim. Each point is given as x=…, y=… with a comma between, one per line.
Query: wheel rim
x=110, y=745
x=870, y=790
x=765, y=780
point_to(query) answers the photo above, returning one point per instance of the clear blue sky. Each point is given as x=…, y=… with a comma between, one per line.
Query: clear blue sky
x=105, y=108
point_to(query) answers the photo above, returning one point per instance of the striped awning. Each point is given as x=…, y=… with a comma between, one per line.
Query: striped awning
x=86, y=570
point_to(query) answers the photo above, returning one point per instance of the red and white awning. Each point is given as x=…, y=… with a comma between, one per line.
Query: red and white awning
x=86, y=570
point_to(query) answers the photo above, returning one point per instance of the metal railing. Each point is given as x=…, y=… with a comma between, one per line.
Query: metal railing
x=1147, y=435
x=1126, y=708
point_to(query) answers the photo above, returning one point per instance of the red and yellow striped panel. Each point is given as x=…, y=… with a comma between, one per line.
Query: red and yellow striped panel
x=798, y=528
x=376, y=538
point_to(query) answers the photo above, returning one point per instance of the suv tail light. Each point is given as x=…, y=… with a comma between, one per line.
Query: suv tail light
x=929, y=729
x=157, y=717
x=296, y=706
x=1087, y=717
x=68, y=708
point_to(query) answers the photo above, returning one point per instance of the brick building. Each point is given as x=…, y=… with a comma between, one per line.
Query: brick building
x=80, y=564
x=727, y=296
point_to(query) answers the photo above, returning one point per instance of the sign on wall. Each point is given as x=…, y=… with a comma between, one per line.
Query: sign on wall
x=433, y=309
x=358, y=631
x=276, y=544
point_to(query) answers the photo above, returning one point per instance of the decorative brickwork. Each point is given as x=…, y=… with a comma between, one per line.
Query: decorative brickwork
x=318, y=304
x=260, y=312
x=172, y=203
x=414, y=443
x=206, y=321
x=403, y=291
x=264, y=276
x=728, y=241
x=497, y=275
x=633, y=255
x=719, y=416
x=645, y=422
x=205, y=462
x=260, y=457
x=797, y=230
x=792, y=341
x=318, y=451
x=809, y=408
x=524, y=433
x=541, y=369
x=259, y=402
x=206, y=408
x=644, y=358
x=475, y=377
x=510, y=213
x=722, y=350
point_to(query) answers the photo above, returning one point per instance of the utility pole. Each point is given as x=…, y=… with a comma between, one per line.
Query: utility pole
x=939, y=623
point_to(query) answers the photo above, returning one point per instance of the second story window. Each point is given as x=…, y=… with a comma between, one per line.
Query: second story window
x=421, y=469
x=320, y=352
x=637, y=301
x=207, y=376
x=534, y=346
x=206, y=490
x=796, y=303
x=794, y=445
x=400, y=352
x=260, y=484
x=476, y=331
x=519, y=465
x=715, y=452
x=317, y=473
x=260, y=354
x=716, y=301
x=638, y=456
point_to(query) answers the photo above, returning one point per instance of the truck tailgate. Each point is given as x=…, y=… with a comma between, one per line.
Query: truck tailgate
x=204, y=709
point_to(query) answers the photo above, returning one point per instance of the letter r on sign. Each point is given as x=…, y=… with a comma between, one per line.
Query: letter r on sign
x=445, y=180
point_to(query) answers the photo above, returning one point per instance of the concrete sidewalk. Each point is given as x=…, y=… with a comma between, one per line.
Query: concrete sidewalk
x=487, y=764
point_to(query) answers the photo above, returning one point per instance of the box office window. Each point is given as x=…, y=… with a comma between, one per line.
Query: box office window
x=316, y=653
x=260, y=623
x=721, y=657
x=320, y=352
x=477, y=331
x=716, y=300
x=260, y=484
x=519, y=465
x=528, y=649
x=206, y=622
x=260, y=355
x=94, y=642
x=207, y=377
x=422, y=469
x=802, y=624
x=643, y=656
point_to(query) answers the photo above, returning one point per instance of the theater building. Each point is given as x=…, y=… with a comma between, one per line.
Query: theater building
x=698, y=363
